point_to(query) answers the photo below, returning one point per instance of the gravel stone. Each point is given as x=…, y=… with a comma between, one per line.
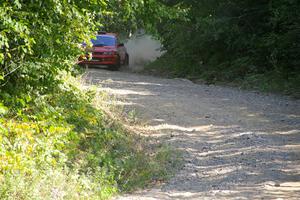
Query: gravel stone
x=252, y=140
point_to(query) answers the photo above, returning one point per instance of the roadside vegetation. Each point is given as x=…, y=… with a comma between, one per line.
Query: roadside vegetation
x=62, y=146
x=252, y=44
x=54, y=142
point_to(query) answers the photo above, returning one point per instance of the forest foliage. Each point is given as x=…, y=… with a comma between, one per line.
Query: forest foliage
x=54, y=142
x=253, y=43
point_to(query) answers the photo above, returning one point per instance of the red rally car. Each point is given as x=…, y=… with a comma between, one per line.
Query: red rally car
x=107, y=51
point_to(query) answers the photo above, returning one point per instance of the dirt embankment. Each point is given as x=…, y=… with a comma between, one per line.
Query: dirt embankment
x=236, y=144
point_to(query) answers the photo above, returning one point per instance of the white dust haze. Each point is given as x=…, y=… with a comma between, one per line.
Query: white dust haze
x=142, y=49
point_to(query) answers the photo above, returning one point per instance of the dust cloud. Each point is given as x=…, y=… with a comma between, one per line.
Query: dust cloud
x=142, y=49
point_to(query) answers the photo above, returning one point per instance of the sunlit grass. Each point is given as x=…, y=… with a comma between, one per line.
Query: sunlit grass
x=65, y=145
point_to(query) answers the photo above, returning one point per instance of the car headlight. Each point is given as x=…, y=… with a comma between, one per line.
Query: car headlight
x=108, y=53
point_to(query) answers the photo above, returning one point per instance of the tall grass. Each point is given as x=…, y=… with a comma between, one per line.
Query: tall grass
x=61, y=146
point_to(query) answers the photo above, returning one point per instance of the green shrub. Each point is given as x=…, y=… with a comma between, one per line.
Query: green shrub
x=60, y=145
x=234, y=41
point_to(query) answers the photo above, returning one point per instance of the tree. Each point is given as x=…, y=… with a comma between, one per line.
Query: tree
x=231, y=39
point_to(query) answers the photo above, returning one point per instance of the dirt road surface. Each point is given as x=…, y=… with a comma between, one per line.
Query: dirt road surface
x=236, y=144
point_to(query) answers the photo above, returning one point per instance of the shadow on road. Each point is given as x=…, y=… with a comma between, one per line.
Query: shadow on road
x=236, y=144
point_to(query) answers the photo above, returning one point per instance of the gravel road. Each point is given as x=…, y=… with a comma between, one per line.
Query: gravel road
x=236, y=144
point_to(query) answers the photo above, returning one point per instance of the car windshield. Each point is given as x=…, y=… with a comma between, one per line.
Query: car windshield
x=104, y=40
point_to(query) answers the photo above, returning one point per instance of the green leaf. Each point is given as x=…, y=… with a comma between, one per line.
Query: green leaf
x=3, y=109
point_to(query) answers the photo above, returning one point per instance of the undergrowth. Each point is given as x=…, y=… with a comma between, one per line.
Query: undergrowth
x=273, y=81
x=60, y=146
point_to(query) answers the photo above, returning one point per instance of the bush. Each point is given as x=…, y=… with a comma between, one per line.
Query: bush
x=59, y=145
x=233, y=41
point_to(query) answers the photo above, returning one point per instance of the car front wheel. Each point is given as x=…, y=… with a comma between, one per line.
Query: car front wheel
x=126, y=62
x=116, y=66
